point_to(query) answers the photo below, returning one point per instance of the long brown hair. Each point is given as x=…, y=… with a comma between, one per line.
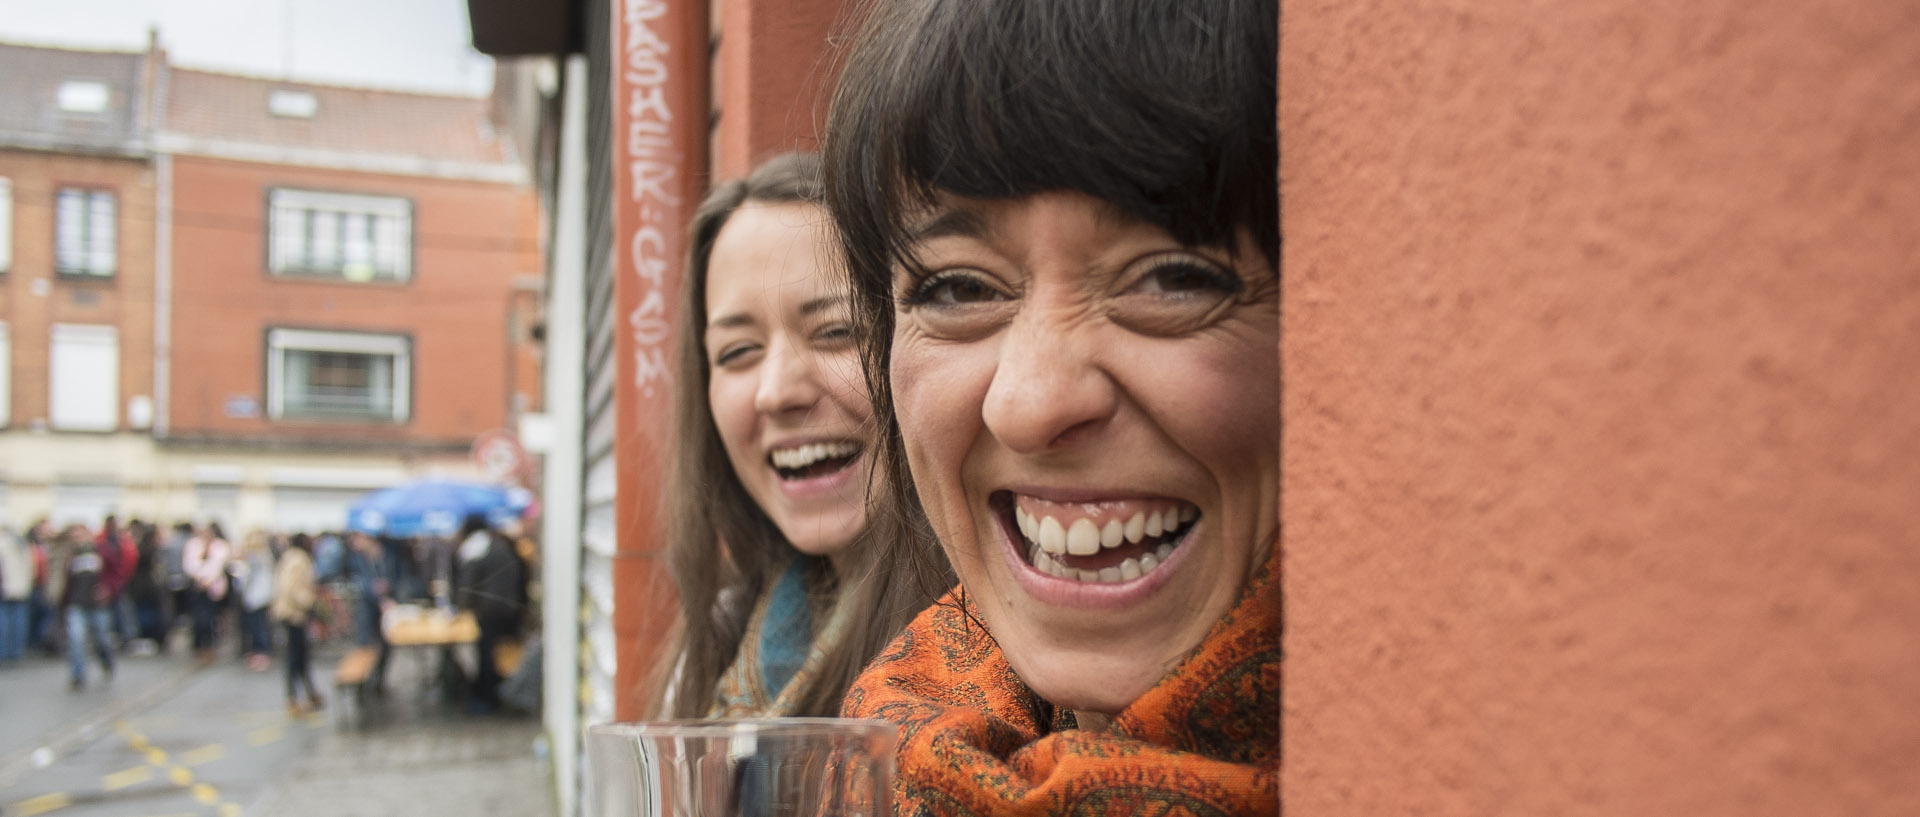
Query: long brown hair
x=723, y=550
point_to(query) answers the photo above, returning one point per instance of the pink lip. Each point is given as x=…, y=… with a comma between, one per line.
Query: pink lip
x=1058, y=592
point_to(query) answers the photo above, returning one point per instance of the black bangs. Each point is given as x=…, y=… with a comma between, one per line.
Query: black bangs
x=1162, y=108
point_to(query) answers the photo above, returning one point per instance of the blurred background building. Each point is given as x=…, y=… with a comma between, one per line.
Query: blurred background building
x=248, y=299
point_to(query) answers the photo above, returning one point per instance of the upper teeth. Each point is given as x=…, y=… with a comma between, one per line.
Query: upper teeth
x=1084, y=538
x=805, y=455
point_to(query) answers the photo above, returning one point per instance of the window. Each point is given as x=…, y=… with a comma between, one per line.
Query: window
x=356, y=238
x=6, y=224
x=83, y=96
x=84, y=369
x=84, y=232
x=338, y=375
x=293, y=104
x=6, y=376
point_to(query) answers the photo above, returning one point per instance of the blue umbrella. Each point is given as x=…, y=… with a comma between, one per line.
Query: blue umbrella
x=433, y=507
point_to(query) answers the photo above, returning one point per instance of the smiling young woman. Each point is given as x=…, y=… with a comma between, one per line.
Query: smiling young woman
x=1062, y=224
x=786, y=587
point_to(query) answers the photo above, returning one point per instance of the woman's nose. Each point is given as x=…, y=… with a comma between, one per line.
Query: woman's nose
x=789, y=380
x=1049, y=387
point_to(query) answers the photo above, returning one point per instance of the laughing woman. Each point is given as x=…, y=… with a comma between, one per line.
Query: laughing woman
x=1061, y=218
x=785, y=588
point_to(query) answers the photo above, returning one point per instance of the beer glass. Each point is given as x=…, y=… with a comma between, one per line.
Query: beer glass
x=774, y=767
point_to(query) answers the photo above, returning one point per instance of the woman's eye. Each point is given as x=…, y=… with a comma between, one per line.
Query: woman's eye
x=1176, y=295
x=1187, y=276
x=735, y=354
x=835, y=332
x=949, y=289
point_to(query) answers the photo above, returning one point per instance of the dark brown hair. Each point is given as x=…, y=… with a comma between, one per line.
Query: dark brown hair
x=723, y=550
x=1164, y=110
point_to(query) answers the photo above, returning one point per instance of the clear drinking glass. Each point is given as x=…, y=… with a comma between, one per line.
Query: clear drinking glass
x=774, y=767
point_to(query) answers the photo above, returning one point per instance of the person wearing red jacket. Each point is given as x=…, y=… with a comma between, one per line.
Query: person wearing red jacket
x=118, y=553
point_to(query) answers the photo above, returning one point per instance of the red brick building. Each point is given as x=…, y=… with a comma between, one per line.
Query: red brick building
x=76, y=282
x=341, y=282
x=242, y=299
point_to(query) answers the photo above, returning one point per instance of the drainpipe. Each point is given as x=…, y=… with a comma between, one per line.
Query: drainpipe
x=564, y=368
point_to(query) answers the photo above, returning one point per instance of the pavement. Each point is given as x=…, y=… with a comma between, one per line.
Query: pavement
x=169, y=738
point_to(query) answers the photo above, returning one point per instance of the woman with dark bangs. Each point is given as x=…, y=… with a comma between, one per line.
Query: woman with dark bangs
x=786, y=586
x=1061, y=218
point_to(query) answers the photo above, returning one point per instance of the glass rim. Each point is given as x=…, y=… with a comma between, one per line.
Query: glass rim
x=760, y=727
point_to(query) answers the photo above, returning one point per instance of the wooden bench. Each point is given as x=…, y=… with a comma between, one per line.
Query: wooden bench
x=349, y=685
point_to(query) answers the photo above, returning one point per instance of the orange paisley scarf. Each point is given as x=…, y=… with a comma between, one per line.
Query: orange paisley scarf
x=976, y=741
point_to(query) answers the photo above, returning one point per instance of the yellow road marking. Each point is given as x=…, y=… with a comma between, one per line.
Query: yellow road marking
x=128, y=777
x=205, y=754
x=40, y=805
x=180, y=775
x=261, y=737
x=229, y=810
x=139, y=743
x=205, y=794
x=157, y=756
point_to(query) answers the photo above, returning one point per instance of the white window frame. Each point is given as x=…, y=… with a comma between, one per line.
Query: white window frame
x=6, y=376
x=344, y=236
x=6, y=224
x=282, y=341
x=88, y=248
x=83, y=393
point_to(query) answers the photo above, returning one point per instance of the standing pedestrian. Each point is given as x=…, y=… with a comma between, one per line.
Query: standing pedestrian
x=117, y=551
x=77, y=581
x=16, y=587
x=40, y=606
x=179, y=586
x=293, y=598
x=371, y=569
x=253, y=569
x=146, y=589
x=205, y=560
x=490, y=581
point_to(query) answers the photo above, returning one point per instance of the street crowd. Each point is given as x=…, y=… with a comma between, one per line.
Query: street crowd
x=96, y=596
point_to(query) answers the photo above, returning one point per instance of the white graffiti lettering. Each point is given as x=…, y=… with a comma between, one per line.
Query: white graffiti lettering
x=652, y=167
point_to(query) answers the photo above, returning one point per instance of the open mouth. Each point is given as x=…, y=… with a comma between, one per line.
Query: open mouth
x=1102, y=542
x=813, y=459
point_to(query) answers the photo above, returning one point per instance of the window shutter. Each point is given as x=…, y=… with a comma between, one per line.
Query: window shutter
x=84, y=378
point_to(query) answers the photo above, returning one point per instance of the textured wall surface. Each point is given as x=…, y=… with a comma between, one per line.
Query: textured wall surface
x=1602, y=443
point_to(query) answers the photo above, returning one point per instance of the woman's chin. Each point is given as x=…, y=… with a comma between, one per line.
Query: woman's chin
x=1101, y=684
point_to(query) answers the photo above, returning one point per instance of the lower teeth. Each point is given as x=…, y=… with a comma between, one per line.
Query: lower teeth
x=1125, y=571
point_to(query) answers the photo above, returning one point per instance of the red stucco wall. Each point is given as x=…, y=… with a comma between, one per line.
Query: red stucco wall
x=772, y=78
x=1602, y=425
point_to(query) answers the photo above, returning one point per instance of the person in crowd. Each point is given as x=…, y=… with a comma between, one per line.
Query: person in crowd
x=786, y=586
x=489, y=580
x=292, y=606
x=80, y=583
x=41, y=615
x=253, y=573
x=370, y=571
x=1061, y=220
x=146, y=588
x=16, y=588
x=179, y=586
x=116, y=547
x=204, y=558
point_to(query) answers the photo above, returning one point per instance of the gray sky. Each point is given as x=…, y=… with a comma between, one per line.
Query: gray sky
x=411, y=45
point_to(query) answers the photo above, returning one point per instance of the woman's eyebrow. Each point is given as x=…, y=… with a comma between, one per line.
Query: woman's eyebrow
x=730, y=320
x=822, y=303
